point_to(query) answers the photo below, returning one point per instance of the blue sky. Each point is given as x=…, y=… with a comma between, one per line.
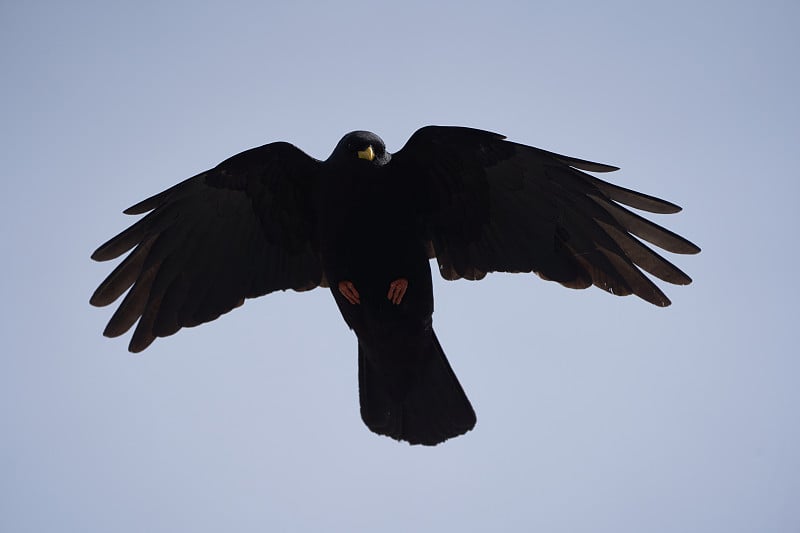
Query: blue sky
x=595, y=413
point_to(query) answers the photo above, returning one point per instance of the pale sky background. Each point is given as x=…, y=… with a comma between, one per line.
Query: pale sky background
x=595, y=413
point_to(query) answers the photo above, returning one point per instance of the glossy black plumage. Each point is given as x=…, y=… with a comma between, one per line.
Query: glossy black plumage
x=273, y=218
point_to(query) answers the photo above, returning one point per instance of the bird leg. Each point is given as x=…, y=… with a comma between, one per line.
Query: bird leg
x=349, y=291
x=397, y=289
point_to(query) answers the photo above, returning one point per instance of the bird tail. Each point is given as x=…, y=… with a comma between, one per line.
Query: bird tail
x=425, y=405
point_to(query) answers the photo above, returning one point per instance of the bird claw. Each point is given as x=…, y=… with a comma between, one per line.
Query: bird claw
x=397, y=289
x=349, y=291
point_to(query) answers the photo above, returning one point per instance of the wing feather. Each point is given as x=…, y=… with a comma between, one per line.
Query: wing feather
x=492, y=205
x=240, y=230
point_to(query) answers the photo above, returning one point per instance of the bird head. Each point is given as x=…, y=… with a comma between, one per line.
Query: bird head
x=363, y=147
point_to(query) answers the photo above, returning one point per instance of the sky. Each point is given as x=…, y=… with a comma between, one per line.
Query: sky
x=595, y=413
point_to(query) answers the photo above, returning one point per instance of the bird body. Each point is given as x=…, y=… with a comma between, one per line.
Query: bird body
x=371, y=238
x=365, y=223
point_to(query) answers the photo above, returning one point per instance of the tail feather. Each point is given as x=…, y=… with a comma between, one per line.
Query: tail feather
x=425, y=406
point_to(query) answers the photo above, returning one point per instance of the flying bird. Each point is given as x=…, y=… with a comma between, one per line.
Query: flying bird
x=366, y=223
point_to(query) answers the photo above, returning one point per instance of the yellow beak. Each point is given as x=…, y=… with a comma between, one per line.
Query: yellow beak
x=368, y=154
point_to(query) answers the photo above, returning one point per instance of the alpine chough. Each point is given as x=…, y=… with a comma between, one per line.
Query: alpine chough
x=365, y=223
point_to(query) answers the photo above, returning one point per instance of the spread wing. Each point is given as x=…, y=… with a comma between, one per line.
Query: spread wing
x=240, y=230
x=492, y=205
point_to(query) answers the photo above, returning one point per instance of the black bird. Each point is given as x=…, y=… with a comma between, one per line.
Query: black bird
x=365, y=223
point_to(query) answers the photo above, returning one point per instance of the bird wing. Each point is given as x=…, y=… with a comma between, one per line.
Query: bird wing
x=240, y=230
x=492, y=205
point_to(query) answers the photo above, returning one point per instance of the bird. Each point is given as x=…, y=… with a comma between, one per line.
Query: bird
x=366, y=224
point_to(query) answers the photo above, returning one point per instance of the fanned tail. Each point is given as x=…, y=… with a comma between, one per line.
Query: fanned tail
x=424, y=404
